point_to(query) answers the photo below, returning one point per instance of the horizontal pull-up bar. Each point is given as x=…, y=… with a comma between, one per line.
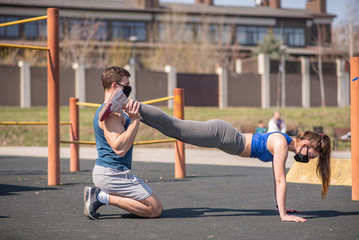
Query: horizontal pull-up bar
x=135, y=143
x=31, y=123
x=23, y=46
x=158, y=100
x=23, y=21
x=86, y=104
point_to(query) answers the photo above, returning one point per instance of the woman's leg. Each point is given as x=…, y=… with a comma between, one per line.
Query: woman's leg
x=212, y=134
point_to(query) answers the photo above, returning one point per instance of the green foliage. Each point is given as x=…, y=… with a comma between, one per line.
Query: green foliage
x=269, y=46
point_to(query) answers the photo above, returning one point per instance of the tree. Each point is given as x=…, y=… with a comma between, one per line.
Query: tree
x=82, y=42
x=346, y=33
x=321, y=39
x=270, y=45
x=190, y=47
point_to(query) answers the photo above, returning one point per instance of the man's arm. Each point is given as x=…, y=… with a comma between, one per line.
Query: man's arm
x=121, y=140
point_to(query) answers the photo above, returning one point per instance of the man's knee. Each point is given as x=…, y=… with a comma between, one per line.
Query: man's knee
x=156, y=211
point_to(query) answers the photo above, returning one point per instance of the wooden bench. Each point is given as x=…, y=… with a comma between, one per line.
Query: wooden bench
x=337, y=134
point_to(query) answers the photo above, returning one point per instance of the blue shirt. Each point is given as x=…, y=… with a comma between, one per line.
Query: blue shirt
x=259, y=146
x=106, y=156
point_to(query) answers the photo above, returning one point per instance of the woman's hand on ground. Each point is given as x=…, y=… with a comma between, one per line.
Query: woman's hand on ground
x=292, y=218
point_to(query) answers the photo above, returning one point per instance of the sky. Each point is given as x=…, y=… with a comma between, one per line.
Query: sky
x=337, y=7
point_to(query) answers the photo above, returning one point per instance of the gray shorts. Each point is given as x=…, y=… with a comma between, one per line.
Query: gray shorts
x=120, y=182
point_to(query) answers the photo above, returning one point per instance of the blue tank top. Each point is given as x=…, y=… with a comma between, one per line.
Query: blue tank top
x=106, y=156
x=259, y=146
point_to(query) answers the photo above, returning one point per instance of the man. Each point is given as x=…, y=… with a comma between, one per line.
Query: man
x=115, y=183
x=276, y=124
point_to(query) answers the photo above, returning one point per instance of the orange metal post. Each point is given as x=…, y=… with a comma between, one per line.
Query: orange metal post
x=354, y=95
x=53, y=113
x=74, y=135
x=178, y=111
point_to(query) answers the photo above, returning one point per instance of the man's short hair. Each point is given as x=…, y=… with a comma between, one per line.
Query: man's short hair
x=113, y=74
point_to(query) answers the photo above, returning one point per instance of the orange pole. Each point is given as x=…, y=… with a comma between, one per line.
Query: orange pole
x=53, y=109
x=74, y=135
x=178, y=111
x=354, y=95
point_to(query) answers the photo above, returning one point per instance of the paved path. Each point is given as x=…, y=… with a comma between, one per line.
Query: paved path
x=193, y=156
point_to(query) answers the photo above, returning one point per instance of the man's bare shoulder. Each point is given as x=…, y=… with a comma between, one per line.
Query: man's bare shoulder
x=113, y=121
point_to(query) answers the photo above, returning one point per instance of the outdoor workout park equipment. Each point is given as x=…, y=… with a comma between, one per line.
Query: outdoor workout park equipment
x=354, y=96
x=53, y=76
x=53, y=123
x=53, y=105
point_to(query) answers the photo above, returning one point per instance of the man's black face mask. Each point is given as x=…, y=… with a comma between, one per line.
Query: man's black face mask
x=126, y=89
x=301, y=157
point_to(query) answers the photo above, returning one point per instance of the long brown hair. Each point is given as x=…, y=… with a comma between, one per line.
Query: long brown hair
x=321, y=143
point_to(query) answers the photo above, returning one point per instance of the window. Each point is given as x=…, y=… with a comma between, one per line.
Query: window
x=86, y=29
x=12, y=31
x=101, y=30
x=226, y=34
x=291, y=36
x=35, y=30
x=250, y=35
x=163, y=32
x=175, y=32
x=208, y=33
x=213, y=34
x=123, y=30
x=31, y=30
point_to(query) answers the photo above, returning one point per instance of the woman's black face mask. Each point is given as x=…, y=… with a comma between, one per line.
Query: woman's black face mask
x=126, y=89
x=299, y=157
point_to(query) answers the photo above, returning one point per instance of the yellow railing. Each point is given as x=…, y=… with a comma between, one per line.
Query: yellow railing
x=96, y=105
x=23, y=46
x=135, y=143
x=23, y=21
x=30, y=123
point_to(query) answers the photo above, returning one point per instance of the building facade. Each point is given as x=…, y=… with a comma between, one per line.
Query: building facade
x=152, y=24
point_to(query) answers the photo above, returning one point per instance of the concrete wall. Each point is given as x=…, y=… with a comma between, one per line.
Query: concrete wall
x=244, y=90
x=94, y=89
x=199, y=89
x=9, y=86
x=293, y=90
x=151, y=85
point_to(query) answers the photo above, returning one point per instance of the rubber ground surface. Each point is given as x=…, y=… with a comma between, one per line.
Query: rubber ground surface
x=213, y=202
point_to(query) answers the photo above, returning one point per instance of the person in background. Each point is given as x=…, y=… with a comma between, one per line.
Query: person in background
x=276, y=124
x=261, y=128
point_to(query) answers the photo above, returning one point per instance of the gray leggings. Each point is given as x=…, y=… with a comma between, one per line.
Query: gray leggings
x=210, y=134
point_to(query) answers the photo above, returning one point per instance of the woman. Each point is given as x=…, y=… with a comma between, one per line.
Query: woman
x=220, y=134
